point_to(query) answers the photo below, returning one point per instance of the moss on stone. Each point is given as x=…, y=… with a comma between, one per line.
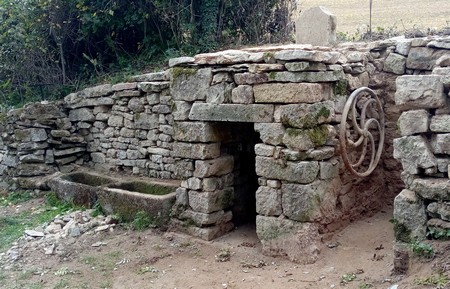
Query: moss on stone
x=144, y=188
x=272, y=75
x=309, y=120
x=318, y=135
x=401, y=232
x=340, y=87
x=179, y=71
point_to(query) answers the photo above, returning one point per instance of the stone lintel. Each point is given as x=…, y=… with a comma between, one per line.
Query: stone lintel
x=232, y=112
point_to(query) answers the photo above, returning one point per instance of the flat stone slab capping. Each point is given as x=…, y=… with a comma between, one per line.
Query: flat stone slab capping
x=319, y=76
x=292, y=92
x=232, y=112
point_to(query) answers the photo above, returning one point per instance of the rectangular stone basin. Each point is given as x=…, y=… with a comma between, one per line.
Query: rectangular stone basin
x=125, y=199
x=79, y=188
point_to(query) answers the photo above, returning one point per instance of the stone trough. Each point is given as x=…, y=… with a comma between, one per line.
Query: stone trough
x=124, y=199
x=79, y=188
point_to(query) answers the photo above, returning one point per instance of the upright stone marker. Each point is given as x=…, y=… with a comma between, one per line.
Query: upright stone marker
x=316, y=26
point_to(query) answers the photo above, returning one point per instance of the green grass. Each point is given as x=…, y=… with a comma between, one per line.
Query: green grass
x=15, y=198
x=12, y=227
x=439, y=281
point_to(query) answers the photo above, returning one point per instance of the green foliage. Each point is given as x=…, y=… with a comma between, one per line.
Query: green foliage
x=15, y=197
x=12, y=227
x=438, y=233
x=51, y=47
x=440, y=281
x=401, y=232
x=142, y=220
x=347, y=278
x=421, y=249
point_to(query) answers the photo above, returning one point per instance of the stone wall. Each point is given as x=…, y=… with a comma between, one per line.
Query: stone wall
x=197, y=122
x=423, y=208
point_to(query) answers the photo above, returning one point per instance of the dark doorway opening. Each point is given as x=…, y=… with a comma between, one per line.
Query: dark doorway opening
x=241, y=145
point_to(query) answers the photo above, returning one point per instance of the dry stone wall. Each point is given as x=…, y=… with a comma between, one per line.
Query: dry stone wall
x=423, y=208
x=197, y=121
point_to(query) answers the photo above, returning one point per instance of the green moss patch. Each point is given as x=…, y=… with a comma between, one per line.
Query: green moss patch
x=179, y=71
x=87, y=179
x=144, y=188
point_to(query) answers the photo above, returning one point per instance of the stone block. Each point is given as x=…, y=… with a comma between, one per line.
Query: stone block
x=306, y=66
x=136, y=104
x=306, y=139
x=306, y=115
x=265, y=67
x=439, y=210
x=423, y=58
x=327, y=57
x=264, y=150
x=190, y=131
x=440, y=143
x=98, y=158
x=228, y=57
x=311, y=77
x=414, y=122
x=309, y=203
x=232, y=112
x=220, y=93
x=248, y=78
x=153, y=86
x=329, y=169
x=268, y=201
x=242, y=94
x=190, y=84
x=198, y=151
x=409, y=216
x=209, y=202
x=420, y=91
x=202, y=219
x=81, y=114
x=297, y=172
x=282, y=237
x=440, y=123
x=437, y=189
x=395, y=63
x=414, y=153
x=403, y=46
x=270, y=133
x=216, y=167
x=181, y=110
x=292, y=92
x=180, y=60
x=146, y=121
x=115, y=120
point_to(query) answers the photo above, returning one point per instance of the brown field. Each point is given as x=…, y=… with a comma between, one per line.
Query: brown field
x=402, y=14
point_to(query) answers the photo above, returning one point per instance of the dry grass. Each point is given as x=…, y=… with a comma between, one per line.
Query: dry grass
x=402, y=14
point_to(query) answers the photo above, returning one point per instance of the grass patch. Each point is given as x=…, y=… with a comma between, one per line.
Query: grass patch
x=15, y=198
x=12, y=227
x=434, y=280
x=421, y=249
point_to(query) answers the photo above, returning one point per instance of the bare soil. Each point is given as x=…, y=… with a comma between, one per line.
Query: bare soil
x=154, y=259
x=386, y=14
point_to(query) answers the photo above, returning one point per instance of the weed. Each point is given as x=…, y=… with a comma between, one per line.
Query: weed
x=98, y=210
x=438, y=233
x=434, y=280
x=142, y=220
x=365, y=286
x=63, y=283
x=223, y=255
x=15, y=198
x=421, y=249
x=147, y=269
x=347, y=278
x=63, y=271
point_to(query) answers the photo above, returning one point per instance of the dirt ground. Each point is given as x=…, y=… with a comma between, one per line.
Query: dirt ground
x=167, y=260
x=402, y=14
